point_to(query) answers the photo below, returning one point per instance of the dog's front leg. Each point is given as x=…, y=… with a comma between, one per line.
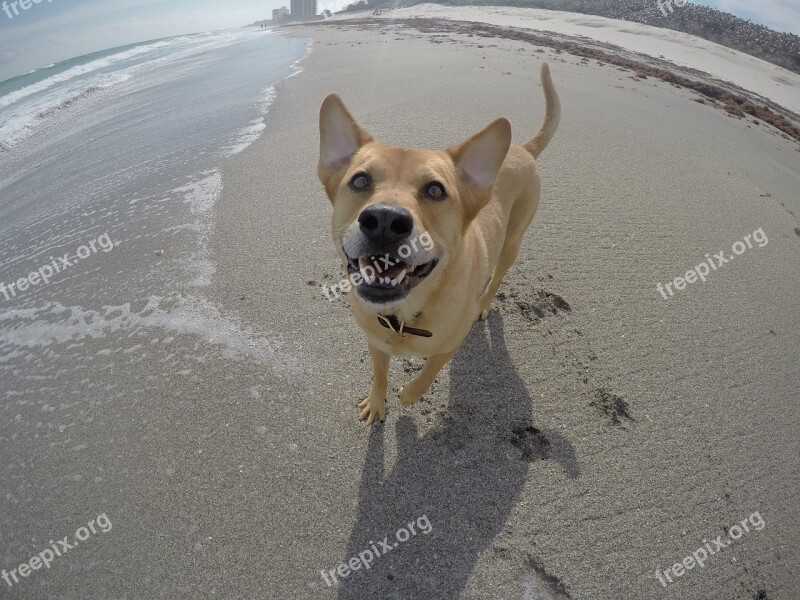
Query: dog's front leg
x=412, y=392
x=373, y=407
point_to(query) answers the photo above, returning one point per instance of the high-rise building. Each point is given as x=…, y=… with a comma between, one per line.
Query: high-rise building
x=280, y=13
x=304, y=8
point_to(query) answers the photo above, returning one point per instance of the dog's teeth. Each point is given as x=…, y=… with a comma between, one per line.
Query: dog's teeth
x=399, y=279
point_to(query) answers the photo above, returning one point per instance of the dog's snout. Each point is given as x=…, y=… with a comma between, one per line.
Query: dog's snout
x=382, y=223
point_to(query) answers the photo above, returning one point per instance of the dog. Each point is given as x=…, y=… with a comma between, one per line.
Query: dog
x=473, y=201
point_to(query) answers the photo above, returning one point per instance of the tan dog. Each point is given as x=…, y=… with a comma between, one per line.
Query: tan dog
x=472, y=202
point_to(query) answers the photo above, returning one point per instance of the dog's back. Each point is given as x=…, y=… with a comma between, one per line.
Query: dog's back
x=502, y=223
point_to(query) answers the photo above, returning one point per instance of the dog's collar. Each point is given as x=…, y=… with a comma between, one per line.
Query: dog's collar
x=392, y=322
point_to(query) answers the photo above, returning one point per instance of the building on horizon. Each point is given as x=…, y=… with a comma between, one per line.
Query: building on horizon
x=303, y=8
x=279, y=14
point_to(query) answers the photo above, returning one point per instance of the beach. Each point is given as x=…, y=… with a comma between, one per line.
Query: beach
x=590, y=435
x=593, y=433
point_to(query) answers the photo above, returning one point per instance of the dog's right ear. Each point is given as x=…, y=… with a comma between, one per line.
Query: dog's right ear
x=340, y=137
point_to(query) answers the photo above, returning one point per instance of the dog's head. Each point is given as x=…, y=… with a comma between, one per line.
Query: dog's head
x=399, y=214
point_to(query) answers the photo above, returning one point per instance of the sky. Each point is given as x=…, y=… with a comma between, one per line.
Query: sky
x=49, y=31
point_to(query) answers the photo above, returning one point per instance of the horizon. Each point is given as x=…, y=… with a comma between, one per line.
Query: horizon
x=53, y=31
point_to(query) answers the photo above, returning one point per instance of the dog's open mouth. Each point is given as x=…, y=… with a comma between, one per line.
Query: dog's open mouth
x=387, y=278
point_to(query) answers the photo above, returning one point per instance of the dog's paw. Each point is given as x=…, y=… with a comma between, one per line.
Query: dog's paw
x=408, y=396
x=372, y=409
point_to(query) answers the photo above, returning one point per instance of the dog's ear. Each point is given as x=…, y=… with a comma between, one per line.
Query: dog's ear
x=340, y=137
x=479, y=159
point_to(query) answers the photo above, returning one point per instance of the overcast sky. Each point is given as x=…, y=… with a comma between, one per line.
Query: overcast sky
x=54, y=30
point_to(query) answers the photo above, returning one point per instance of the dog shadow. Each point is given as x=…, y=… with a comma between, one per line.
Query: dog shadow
x=464, y=476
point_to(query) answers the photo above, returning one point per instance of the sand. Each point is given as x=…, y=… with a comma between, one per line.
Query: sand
x=592, y=431
x=589, y=434
x=756, y=75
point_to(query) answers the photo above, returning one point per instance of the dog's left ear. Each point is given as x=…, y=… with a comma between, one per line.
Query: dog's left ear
x=480, y=157
x=340, y=137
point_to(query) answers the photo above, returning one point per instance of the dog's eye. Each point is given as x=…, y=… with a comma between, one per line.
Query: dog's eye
x=360, y=182
x=435, y=191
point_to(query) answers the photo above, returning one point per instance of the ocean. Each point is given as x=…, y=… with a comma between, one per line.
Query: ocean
x=110, y=167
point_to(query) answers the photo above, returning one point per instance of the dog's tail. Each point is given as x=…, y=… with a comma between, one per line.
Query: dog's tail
x=552, y=116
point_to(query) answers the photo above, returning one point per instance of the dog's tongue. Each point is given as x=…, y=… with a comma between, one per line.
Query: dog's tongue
x=380, y=270
x=394, y=271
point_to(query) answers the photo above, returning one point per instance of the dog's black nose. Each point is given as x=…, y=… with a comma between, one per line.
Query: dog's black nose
x=383, y=223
